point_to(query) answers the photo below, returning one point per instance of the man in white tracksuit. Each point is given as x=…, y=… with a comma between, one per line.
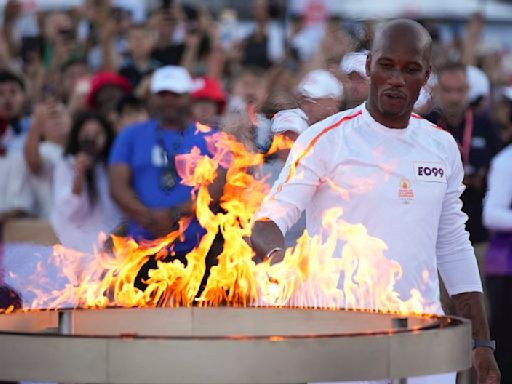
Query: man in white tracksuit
x=402, y=178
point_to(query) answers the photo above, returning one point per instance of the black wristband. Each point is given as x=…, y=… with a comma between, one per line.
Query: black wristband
x=485, y=344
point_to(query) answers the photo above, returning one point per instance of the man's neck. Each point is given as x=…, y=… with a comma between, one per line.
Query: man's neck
x=173, y=125
x=394, y=122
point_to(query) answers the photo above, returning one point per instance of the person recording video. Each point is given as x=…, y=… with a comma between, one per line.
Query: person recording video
x=82, y=205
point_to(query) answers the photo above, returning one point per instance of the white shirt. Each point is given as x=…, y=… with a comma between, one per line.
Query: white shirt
x=498, y=201
x=75, y=222
x=42, y=183
x=402, y=184
x=15, y=189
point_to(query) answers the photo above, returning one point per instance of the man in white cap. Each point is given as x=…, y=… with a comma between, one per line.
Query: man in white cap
x=144, y=180
x=319, y=95
x=354, y=79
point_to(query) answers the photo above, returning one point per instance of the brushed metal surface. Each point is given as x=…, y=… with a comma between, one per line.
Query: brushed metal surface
x=227, y=345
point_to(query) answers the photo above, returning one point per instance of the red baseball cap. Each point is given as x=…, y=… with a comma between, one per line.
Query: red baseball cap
x=103, y=78
x=208, y=88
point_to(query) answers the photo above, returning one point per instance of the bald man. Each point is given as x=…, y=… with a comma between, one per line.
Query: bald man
x=403, y=177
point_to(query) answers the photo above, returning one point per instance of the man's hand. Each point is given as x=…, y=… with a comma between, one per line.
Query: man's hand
x=487, y=370
x=470, y=305
x=83, y=162
x=267, y=241
x=162, y=222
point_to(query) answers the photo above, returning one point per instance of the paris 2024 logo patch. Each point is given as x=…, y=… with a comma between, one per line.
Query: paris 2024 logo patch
x=405, y=192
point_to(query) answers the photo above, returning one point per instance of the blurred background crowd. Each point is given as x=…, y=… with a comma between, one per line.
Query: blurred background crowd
x=74, y=75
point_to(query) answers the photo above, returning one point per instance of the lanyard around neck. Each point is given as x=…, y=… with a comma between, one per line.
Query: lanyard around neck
x=168, y=156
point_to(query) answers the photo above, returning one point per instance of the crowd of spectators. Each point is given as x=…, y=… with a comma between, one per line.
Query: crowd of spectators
x=89, y=74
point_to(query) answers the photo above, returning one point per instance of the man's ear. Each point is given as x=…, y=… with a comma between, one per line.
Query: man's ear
x=368, y=64
x=428, y=72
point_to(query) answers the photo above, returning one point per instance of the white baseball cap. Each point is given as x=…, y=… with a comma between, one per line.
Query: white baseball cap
x=171, y=78
x=320, y=83
x=354, y=62
x=294, y=120
x=479, y=84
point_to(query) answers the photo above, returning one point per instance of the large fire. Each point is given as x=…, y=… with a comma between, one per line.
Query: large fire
x=307, y=277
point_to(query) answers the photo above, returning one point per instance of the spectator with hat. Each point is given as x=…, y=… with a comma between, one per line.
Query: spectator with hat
x=144, y=179
x=208, y=101
x=106, y=89
x=319, y=95
x=354, y=79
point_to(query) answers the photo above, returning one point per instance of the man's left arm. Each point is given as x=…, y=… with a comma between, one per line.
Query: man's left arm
x=457, y=265
x=470, y=305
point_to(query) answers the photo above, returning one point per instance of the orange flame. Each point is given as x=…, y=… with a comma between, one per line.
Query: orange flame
x=308, y=276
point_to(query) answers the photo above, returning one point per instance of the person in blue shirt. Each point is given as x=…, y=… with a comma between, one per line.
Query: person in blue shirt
x=144, y=181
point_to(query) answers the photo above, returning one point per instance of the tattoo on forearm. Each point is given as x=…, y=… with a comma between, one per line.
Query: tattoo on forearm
x=470, y=306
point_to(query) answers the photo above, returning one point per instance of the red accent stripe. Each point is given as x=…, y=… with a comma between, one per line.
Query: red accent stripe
x=416, y=116
x=315, y=140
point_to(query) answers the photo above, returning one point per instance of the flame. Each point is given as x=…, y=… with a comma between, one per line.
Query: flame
x=308, y=276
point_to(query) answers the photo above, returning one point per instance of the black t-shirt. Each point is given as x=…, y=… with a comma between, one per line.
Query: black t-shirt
x=484, y=145
x=134, y=74
x=255, y=52
x=170, y=55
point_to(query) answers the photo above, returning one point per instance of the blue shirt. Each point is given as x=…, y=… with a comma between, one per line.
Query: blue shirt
x=137, y=147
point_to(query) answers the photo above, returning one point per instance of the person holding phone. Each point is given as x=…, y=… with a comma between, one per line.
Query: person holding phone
x=82, y=205
x=43, y=149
